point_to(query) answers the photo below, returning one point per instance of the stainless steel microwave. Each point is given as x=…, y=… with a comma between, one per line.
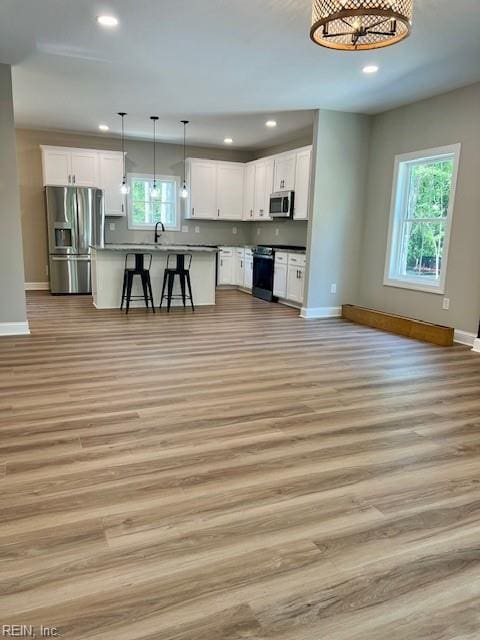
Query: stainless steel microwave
x=281, y=204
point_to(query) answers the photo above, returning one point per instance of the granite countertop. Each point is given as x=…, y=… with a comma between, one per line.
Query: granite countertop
x=144, y=246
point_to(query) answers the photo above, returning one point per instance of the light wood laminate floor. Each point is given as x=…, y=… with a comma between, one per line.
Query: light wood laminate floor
x=236, y=473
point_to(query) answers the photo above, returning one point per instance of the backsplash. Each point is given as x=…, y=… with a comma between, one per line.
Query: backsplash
x=215, y=232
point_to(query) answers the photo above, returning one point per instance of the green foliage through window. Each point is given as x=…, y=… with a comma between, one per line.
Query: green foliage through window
x=147, y=210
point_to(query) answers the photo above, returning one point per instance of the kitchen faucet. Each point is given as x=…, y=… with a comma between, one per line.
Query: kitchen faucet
x=157, y=235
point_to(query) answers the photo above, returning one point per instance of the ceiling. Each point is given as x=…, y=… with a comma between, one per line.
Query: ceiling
x=226, y=65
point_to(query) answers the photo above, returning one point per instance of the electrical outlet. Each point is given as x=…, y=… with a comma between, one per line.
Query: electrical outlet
x=333, y=288
x=111, y=226
x=184, y=228
x=197, y=229
x=446, y=304
x=277, y=231
x=234, y=231
x=258, y=231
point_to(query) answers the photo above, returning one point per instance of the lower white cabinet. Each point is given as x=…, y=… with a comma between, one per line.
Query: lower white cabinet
x=248, y=274
x=280, y=275
x=225, y=266
x=289, y=276
x=239, y=268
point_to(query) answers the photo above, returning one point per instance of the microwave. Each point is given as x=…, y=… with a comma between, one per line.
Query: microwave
x=281, y=204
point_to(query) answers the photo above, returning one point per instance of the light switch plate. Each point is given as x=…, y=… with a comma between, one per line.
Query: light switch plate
x=197, y=229
x=184, y=228
x=277, y=231
x=333, y=288
x=234, y=231
x=258, y=231
x=111, y=226
x=446, y=304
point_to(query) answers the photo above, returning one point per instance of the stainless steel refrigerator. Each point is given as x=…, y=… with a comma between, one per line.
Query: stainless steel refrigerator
x=75, y=218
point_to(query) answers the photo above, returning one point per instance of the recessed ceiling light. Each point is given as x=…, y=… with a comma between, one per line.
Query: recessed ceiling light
x=103, y=127
x=228, y=141
x=107, y=21
x=371, y=68
x=271, y=123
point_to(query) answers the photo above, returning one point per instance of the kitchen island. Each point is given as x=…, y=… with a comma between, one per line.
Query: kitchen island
x=108, y=264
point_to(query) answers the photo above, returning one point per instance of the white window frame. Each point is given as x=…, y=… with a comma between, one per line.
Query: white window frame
x=149, y=176
x=399, y=191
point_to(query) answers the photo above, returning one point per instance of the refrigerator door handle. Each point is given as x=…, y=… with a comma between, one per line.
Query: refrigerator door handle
x=69, y=258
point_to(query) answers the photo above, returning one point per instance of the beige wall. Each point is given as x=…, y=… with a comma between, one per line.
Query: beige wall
x=12, y=294
x=340, y=146
x=443, y=120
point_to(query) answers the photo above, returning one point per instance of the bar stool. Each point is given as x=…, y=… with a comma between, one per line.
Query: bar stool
x=181, y=270
x=138, y=268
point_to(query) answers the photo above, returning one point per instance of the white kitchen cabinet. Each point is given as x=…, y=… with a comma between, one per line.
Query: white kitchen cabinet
x=249, y=191
x=263, y=188
x=202, y=178
x=269, y=187
x=84, y=167
x=280, y=275
x=248, y=273
x=230, y=179
x=65, y=166
x=295, y=277
x=302, y=184
x=284, y=179
x=225, y=273
x=111, y=176
x=56, y=166
x=239, y=266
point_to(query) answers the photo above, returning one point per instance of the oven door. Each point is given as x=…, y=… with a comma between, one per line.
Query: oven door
x=263, y=277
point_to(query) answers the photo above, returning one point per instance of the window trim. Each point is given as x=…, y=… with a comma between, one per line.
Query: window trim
x=149, y=176
x=396, y=215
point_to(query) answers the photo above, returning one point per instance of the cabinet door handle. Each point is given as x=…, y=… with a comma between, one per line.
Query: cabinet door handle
x=241, y=264
x=221, y=263
x=69, y=178
x=193, y=211
x=218, y=212
x=74, y=179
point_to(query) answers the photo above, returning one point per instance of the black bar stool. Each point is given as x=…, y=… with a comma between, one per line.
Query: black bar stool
x=182, y=270
x=138, y=268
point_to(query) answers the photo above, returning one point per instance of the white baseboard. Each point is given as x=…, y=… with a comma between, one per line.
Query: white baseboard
x=476, y=345
x=464, y=337
x=14, y=329
x=37, y=286
x=320, y=312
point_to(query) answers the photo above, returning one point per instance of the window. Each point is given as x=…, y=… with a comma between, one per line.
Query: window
x=144, y=211
x=422, y=206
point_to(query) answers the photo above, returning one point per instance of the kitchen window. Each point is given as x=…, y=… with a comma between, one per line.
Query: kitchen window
x=421, y=217
x=144, y=211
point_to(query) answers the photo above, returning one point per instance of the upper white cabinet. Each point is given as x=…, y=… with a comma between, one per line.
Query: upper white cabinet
x=285, y=172
x=302, y=184
x=64, y=166
x=230, y=178
x=203, y=188
x=67, y=167
x=216, y=189
x=84, y=167
x=56, y=165
x=111, y=175
x=263, y=187
x=249, y=191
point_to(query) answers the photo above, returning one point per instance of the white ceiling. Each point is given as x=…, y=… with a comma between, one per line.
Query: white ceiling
x=227, y=65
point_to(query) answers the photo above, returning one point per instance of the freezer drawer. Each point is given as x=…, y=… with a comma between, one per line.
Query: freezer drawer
x=70, y=274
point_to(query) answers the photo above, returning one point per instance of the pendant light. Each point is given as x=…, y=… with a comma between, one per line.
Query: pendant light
x=353, y=25
x=154, y=191
x=184, y=191
x=124, y=188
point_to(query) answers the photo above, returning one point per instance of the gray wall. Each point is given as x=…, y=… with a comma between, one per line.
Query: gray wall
x=139, y=160
x=336, y=207
x=12, y=294
x=443, y=120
